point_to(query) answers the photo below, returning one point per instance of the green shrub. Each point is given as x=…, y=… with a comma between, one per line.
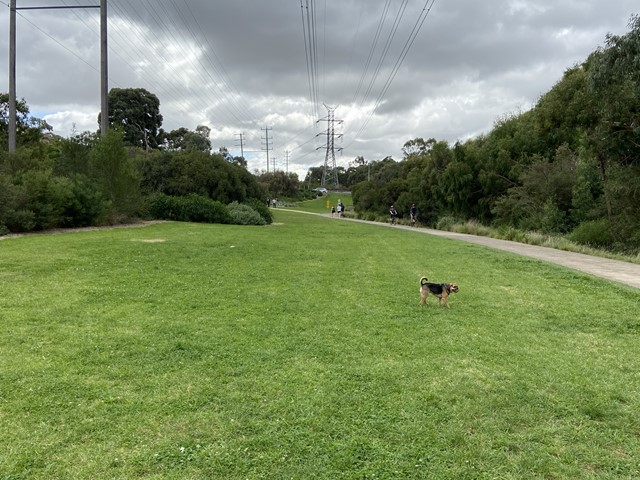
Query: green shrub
x=86, y=207
x=116, y=176
x=192, y=208
x=21, y=221
x=40, y=201
x=506, y=232
x=196, y=208
x=552, y=219
x=472, y=227
x=446, y=223
x=160, y=206
x=260, y=207
x=594, y=233
x=244, y=215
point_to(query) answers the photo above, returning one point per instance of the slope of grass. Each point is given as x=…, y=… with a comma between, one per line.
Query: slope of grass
x=298, y=351
x=319, y=205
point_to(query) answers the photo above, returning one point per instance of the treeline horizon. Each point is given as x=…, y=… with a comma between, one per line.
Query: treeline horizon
x=569, y=166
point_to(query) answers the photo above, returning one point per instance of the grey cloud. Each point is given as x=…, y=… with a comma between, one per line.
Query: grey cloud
x=242, y=64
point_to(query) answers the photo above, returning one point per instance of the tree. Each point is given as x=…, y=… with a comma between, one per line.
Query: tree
x=417, y=146
x=280, y=184
x=191, y=172
x=224, y=151
x=28, y=129
x=614, y=78
x=314, y=176
x=357, y=162
x=183, y=139
x=544, y=200
x=240, y=161
x=116, y=175
x=137, y=112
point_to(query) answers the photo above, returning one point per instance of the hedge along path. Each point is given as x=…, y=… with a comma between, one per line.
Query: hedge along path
x=615, y=270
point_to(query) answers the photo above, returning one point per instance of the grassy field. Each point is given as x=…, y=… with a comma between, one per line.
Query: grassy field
x=319, y=205
x=297, y=350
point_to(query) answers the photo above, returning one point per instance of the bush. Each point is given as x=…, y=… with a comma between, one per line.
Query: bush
x=507, y=232
x=192, y=208
x=38, y=201
x=262, y=210
x=86, y=207
x=446, y=223
x=115, y=174
x=471, y=227
x=21, y=221
x=595, y=233
x=244, y=215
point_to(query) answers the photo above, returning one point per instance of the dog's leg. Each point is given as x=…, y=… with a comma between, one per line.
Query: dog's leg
x=445, y=299
x=423, y=297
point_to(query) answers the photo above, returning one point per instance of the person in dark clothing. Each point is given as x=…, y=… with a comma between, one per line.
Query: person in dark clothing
x=393, y=215
x=413, y=213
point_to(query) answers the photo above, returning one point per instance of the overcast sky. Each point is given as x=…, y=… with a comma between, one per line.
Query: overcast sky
x=395, y=69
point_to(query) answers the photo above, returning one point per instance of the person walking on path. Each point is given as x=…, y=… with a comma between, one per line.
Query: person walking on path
x=393, y=215
x=413, y=213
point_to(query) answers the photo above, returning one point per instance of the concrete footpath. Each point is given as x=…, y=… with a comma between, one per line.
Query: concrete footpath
x=615, y=270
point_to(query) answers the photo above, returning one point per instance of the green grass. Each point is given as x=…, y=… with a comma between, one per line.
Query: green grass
x=297, y=350
x=319, y=205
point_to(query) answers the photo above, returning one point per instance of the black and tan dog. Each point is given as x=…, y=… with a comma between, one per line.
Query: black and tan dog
x=440, y=290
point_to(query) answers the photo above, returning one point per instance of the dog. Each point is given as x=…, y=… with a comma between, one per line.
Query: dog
x=440, y=290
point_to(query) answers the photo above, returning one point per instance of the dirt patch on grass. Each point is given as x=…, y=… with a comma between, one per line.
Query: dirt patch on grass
x=149, y=240
x=55, y=231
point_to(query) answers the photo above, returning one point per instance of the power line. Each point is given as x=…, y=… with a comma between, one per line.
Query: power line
x=309, y=31
x=405, y=50
x=385, y=50
x=376, y=37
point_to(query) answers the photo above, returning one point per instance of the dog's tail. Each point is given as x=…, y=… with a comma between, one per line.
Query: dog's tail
x=423, y=281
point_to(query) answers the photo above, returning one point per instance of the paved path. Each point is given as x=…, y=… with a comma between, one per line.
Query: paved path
x=615, y=270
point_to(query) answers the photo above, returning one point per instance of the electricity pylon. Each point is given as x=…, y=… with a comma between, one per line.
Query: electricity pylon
x=330, y=172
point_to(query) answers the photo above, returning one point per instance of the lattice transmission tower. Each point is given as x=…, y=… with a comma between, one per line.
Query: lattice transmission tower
x=330, y=172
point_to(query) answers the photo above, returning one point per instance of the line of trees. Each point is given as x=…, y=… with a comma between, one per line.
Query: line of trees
x=131, y=172
x=570, y=165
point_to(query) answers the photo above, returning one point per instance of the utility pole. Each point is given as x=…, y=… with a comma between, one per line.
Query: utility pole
x=104, y=70
x=268, y=144
x=241, y=139
x=286, y=156
x=12, y=76
x=104, y=74
x=330, y=172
